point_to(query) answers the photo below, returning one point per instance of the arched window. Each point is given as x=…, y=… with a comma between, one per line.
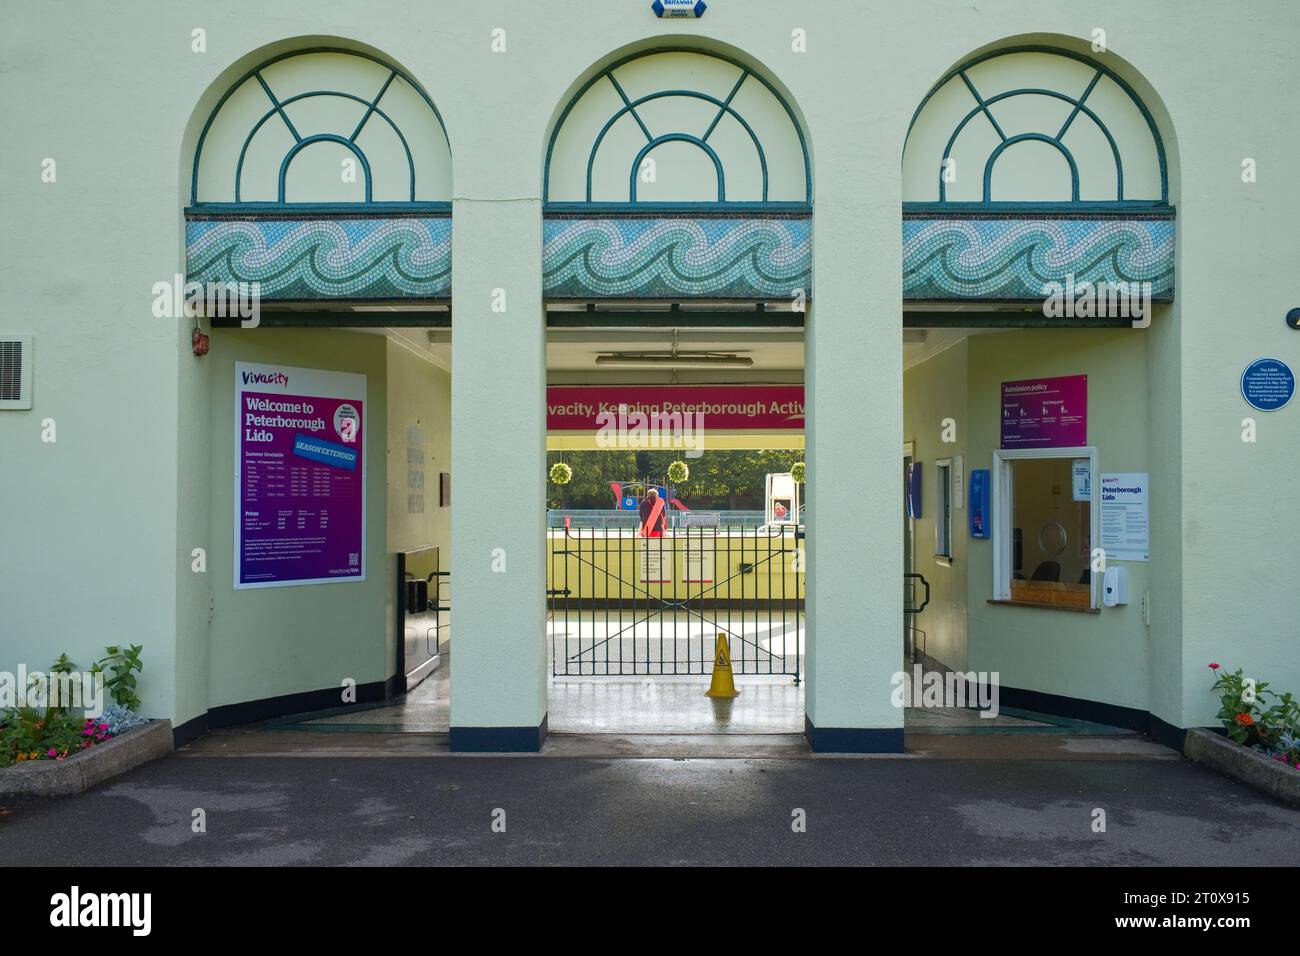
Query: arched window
x=1034, y=125
x=677, y=126
x=323, y=174
x=322, y=127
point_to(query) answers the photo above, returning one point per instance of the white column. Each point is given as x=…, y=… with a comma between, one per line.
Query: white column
x=855, y=412
x=498, y=452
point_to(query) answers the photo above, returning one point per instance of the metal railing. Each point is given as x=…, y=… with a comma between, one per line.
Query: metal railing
x=624, y=604
x=609, y=518
x=914, y=604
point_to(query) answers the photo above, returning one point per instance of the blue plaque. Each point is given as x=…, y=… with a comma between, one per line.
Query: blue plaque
x=1267, y=384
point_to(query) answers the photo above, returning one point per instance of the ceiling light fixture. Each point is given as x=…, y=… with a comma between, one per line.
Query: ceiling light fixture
x=674, y=360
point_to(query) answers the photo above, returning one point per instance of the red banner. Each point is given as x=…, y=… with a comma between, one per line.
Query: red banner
x=591, y=407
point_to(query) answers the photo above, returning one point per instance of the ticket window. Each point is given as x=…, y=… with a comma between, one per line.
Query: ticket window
x=1044, y=528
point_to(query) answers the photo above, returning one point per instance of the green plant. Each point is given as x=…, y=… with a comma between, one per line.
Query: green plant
x=121, y=665
x=35, y=690
x=799, y=471
x=30, y=734
x=1274, y=729
x=561, y=474
x=678, y=472
x=1240, y=709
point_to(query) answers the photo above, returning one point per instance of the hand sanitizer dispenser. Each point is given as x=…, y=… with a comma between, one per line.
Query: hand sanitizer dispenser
x=1114, y=586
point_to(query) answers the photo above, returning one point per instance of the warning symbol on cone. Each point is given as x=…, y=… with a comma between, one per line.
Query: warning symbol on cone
x=722, y=685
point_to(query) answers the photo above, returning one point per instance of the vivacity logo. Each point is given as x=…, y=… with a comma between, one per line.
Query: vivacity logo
x=265, y=378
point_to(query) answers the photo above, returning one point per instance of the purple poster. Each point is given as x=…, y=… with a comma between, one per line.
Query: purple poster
x=300, y=482
x=1045, y=412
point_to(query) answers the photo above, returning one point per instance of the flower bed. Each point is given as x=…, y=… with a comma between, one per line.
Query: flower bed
x=30, y=736
x=80, y=771
x=1273, y=731
x=44, y=724
x=1259, y=743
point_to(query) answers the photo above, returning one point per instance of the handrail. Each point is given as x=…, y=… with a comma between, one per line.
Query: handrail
x=926, y=602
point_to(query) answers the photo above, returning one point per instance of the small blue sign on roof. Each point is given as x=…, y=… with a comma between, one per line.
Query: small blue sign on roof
x=1267, y=384
x=671, y=9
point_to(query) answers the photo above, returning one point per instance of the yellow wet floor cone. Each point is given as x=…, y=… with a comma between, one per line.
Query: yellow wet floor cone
x=722, y=685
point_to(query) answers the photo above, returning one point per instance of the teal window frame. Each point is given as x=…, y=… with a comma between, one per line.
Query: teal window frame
x=1079, y=103
x=652, y=140
x=277, y=110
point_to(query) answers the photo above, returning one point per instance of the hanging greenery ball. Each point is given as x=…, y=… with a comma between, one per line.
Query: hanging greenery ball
x=678, y=472
x=561, y=474
x=798, y=472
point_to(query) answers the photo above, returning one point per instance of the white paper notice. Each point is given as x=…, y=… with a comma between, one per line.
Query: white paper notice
x=653, y=552
x=1125, y=519
x=697, y=563
x=1081, y=479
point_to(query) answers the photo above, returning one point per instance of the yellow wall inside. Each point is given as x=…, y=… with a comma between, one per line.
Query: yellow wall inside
x=610, y=566
x=419, y=406
x=933, y=391
x=269, y=642
x=1100, y=656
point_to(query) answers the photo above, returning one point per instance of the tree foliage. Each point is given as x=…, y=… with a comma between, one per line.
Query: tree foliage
x=719, y=479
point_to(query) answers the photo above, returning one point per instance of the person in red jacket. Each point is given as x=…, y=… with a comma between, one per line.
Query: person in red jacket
x=653, y=518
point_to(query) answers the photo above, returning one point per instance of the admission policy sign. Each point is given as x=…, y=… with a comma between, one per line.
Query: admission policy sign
x=300, y=476
x=1045, y=412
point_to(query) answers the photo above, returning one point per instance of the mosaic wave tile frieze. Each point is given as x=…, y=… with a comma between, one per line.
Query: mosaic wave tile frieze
x=1013, y=258
x=305, y=259
x=677, y=257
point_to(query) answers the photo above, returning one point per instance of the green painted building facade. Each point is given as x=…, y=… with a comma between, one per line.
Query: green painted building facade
x=901, y=181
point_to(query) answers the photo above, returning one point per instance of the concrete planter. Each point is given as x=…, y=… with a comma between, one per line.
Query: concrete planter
x=1266, y=775
x=62, y=778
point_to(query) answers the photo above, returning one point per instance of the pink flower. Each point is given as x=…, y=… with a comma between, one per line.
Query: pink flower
x=51, y=752
x=1214, y=667
x=103, y=726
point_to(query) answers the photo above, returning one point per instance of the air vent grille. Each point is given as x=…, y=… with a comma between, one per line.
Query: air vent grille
x=11, y=371
x=15, y=372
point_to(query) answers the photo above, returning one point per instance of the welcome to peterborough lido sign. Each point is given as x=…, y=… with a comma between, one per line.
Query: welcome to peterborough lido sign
x=300, y=478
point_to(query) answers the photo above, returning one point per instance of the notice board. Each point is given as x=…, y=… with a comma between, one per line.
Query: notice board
x=300, y=476
x=1125, y=515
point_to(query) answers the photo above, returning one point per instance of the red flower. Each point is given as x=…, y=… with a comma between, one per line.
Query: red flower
x=1245, y=720
x=1214, y=667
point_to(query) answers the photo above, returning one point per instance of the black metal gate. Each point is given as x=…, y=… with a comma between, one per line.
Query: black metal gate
x=623, y=604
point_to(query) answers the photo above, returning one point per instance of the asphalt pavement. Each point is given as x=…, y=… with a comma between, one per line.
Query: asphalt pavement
x=328, y=809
